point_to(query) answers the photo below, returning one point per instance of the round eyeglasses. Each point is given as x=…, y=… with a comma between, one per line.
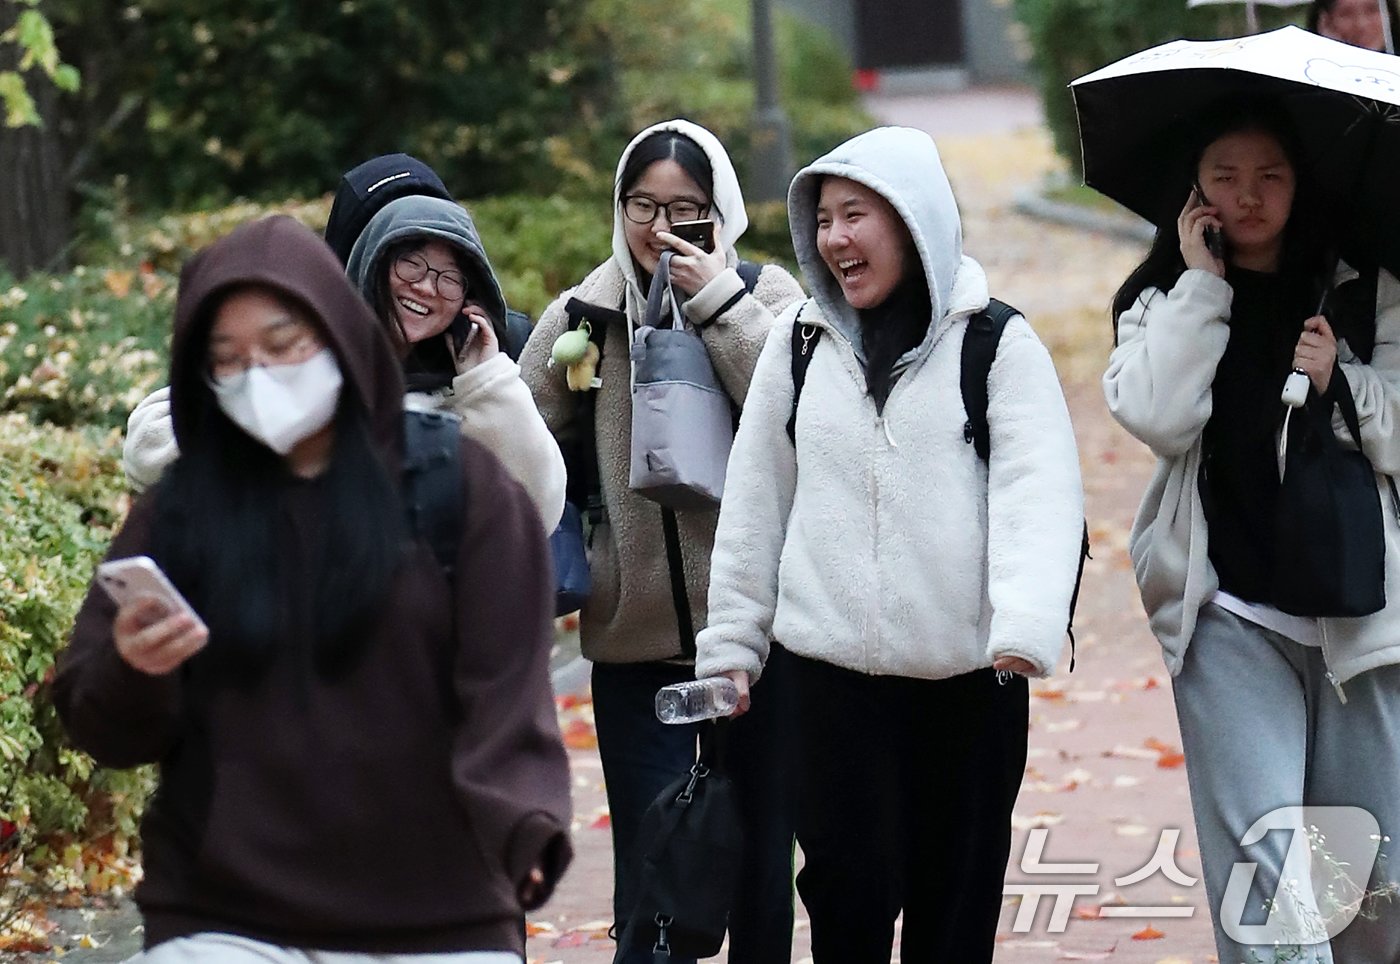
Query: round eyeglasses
x=411, y=269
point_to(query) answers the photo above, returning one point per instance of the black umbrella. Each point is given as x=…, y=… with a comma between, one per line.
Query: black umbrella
x=1136, y=115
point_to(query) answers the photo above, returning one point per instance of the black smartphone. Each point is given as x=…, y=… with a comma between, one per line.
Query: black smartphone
x=1215, y=243
x=699, y=233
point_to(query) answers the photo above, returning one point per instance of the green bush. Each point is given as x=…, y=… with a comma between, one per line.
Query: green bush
x=1070, y=38
x=84, y=348
x=61, y=494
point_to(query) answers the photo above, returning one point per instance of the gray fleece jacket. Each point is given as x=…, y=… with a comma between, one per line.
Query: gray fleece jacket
x=1158, y=387
x=630, y=616
x=881, y=543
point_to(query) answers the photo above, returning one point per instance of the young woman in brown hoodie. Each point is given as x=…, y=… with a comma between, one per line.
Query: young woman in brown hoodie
x=360, y=755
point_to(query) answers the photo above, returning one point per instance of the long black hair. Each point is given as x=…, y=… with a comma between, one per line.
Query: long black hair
x=664, y=146
x=1308, y=247
x=220, y=527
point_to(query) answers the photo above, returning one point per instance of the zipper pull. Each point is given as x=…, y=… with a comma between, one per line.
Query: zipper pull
x=1336, y=685
x=889, y=437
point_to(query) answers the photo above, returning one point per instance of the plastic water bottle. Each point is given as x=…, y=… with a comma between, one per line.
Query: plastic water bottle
x=697, y=699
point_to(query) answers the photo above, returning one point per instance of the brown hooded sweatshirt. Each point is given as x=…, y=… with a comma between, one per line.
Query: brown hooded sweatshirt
x=394, y=808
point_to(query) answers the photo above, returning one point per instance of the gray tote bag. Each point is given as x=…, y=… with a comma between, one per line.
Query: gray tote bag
x=682, y=419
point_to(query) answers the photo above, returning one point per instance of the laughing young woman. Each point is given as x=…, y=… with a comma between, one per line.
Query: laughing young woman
x=421, y=265
x=914, y=586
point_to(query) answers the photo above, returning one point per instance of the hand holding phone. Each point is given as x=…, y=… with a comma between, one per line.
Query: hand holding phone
x=1202, y=245
x=699, y=233
x=155, y=629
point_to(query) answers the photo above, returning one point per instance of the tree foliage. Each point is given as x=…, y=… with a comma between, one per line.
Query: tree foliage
x=28, y=43
x=1070, y=38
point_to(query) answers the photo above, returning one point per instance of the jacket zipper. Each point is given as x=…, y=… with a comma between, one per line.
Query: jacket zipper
x=872, y=612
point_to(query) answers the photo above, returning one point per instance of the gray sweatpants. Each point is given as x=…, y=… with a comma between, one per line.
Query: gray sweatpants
x=1262, y=728
x=215, y=948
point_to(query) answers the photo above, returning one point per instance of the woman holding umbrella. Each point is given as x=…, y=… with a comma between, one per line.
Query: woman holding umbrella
x=1275, y=710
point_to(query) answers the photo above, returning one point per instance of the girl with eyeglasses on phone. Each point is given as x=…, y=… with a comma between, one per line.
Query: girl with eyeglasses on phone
x=673, y=172
x=421, y=265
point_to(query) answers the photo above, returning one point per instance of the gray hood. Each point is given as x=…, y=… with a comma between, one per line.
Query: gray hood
x=901, y=165
x=417, y=216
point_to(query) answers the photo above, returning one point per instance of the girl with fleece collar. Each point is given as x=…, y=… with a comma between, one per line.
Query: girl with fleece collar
x=630, y=628
x=914, y=586
x=1275, y=710
x=421, y=265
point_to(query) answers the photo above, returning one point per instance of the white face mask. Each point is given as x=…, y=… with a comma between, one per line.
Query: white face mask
x=279, y=405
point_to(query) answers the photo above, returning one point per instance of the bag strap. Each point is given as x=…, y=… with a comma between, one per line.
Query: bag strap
x=804, y=346
x=656, y=296
x=680, y=599
x=979, y=350
x=432, y=482
x=585, y=486
x=1342, y=393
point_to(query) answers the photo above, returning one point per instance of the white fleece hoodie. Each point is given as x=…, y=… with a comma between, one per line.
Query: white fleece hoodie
x=883, y=544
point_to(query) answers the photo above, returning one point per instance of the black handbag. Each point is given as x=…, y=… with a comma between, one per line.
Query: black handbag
x=687, y=861
x=1329, y=536
x=572, y=578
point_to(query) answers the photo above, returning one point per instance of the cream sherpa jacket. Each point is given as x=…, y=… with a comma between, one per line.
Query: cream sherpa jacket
x=882, y=543
x=1158, y=387
x=630, y=616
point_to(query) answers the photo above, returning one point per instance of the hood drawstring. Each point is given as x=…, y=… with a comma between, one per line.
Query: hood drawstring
x=889, y=436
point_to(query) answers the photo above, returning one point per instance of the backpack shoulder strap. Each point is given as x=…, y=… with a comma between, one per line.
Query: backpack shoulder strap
x=979, y=350
x=804, y=344
x=518, y=326
x=748, y=273
x=432, y=482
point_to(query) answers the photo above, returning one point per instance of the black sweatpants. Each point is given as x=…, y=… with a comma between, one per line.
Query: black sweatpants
x=905, y=791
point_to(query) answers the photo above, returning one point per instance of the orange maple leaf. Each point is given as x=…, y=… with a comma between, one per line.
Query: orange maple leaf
x=1149, y=933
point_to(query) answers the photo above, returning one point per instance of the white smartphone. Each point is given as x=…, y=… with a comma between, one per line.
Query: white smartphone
x=127, y=580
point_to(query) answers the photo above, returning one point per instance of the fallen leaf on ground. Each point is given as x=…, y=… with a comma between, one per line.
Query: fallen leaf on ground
x=1132, y=753
x=601, y=822
x=1042, y=819
x=1170, y=761
x=1091, y=912
x=1149, y=933
x=579, y=735
x=536, y=928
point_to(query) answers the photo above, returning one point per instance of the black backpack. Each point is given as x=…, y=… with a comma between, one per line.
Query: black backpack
x=979, y=349
x=432, y=483
x=368, y=187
